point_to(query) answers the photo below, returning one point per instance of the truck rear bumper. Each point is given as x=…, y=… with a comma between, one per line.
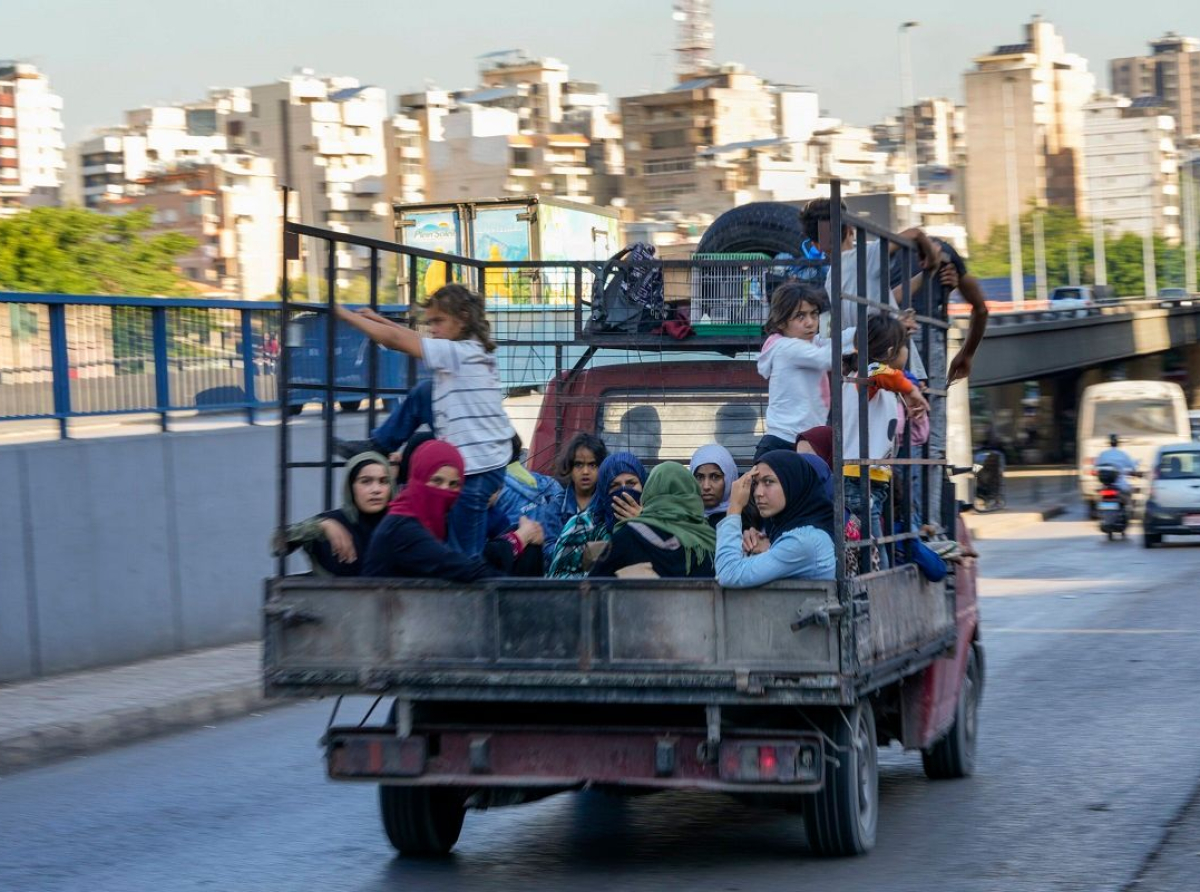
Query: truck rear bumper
x=749, y=762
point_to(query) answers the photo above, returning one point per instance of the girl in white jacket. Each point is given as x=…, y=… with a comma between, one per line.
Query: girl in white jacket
x=795, y=360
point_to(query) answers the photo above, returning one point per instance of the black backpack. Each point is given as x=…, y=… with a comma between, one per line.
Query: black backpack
x=628, y=299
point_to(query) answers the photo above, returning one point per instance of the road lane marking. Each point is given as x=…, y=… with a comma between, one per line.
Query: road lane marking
x=1035, y=631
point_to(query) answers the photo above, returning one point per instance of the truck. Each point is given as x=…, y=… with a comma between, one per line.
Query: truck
x=507, y=231
x=506, y=691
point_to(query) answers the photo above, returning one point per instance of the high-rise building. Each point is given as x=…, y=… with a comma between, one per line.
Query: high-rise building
x=152, y=138
x=484, y=154
x=1132, y=166
x=665, y=133
x=326, y=137
x=31, y=138
x=231, y=206
x=405, y=159
x=1171, y=72
x=528, y=128
x=1024, y=110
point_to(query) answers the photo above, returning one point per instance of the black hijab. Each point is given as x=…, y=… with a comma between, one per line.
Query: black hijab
x=807, y=503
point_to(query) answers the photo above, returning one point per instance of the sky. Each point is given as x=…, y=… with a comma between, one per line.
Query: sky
x=106, y=57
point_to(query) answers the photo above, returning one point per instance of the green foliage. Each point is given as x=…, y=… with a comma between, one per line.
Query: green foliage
x=76, y=251
x=356, y=291
x=1063, y=231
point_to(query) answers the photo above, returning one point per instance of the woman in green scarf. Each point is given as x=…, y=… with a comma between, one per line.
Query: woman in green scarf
x=670, y=538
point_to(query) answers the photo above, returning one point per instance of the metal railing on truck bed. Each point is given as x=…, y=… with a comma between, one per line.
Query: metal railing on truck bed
x=573, y=284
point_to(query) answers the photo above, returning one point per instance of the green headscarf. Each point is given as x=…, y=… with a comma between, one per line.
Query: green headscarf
x=671, y=502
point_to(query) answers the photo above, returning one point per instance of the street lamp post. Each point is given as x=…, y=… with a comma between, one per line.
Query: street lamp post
x=910, y=120
x=1016, y=274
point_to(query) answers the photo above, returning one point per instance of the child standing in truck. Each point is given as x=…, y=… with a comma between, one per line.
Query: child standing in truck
x=467, y=399
x=887, y=353
x=795, y=360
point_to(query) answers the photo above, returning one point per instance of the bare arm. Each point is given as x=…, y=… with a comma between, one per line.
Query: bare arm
x=960, y=367
x=929, y=255
x=385, y=333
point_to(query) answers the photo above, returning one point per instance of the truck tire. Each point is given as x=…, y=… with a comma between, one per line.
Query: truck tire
x=841, y=819
x=1150, y=540
x=421, y=822
x=769, y=227
x=350, y=405
x=954, y=755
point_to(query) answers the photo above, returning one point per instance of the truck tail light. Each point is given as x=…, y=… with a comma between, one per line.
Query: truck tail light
x=760, y=761
x=1108, y=493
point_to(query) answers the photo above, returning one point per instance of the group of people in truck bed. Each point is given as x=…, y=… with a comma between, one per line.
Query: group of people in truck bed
x=455, y=503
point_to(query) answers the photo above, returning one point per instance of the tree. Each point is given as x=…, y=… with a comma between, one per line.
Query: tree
x=76, y=251
x=1065, y=233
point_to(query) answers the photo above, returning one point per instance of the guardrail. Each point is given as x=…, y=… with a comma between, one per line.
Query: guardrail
x=66, y=356
x=1003, y=313
x=74, y=356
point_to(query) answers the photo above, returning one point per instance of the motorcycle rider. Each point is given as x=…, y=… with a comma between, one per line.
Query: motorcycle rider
x=1118, y=458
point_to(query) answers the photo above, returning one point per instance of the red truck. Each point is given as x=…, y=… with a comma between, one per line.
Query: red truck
x=507, y=691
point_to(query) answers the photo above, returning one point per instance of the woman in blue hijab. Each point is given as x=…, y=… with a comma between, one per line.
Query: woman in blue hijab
x=618, y=488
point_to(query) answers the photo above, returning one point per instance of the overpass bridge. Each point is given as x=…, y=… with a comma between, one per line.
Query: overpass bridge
x=1032, y=344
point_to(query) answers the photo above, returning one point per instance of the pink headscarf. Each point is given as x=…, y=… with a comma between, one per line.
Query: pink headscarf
x=418, y=499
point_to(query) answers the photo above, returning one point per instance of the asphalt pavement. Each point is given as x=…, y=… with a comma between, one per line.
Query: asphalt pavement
x=1088, y=760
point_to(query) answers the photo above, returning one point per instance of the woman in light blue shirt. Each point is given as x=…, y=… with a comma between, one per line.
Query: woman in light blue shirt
x=797, y=542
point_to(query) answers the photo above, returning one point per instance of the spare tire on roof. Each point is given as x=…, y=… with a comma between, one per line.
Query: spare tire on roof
x=769, y=227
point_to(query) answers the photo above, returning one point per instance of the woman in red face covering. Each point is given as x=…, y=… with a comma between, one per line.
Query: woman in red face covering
x=411, y=540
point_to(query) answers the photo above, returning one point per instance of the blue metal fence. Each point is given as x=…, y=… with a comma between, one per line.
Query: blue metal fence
x=66, y=356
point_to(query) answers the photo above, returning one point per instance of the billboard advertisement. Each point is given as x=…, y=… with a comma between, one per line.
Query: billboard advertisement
x=501, y=235
x=432, y=231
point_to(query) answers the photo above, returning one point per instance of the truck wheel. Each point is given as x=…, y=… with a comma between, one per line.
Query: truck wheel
x=954, y=755
x=421, y=822
x=762, y=226
x=295, y=409
x=842, y=817
x=350, y=405
x=1149, y=540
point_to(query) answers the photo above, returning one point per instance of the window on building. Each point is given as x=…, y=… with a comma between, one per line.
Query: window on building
x=522, y=158
x=255, y=138
x=668, y=139
x=254, y=109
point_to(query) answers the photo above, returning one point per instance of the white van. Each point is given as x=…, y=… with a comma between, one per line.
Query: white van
x=1144, y=414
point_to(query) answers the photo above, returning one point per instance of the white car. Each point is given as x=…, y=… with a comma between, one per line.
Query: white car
x=1173, y=505
x=1080, y=298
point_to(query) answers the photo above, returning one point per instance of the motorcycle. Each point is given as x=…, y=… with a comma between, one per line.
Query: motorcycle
x=1112, y=505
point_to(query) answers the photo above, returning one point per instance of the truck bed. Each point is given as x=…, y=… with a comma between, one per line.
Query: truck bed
x=603, y=640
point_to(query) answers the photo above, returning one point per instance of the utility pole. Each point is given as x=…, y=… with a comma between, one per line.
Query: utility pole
x=1149, y=274
x=1100, y=260
x=1039, y=254
x=1015, y=272
x=1189, y=224
x=910, y=114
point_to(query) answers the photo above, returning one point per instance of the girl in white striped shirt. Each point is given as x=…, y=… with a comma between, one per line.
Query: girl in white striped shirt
x=468, y=400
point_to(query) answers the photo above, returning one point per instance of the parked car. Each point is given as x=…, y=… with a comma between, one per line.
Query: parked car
x=1194, y=422
x=1173, y=506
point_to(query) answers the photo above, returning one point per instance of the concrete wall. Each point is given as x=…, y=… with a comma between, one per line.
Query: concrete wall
x=120, y=549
